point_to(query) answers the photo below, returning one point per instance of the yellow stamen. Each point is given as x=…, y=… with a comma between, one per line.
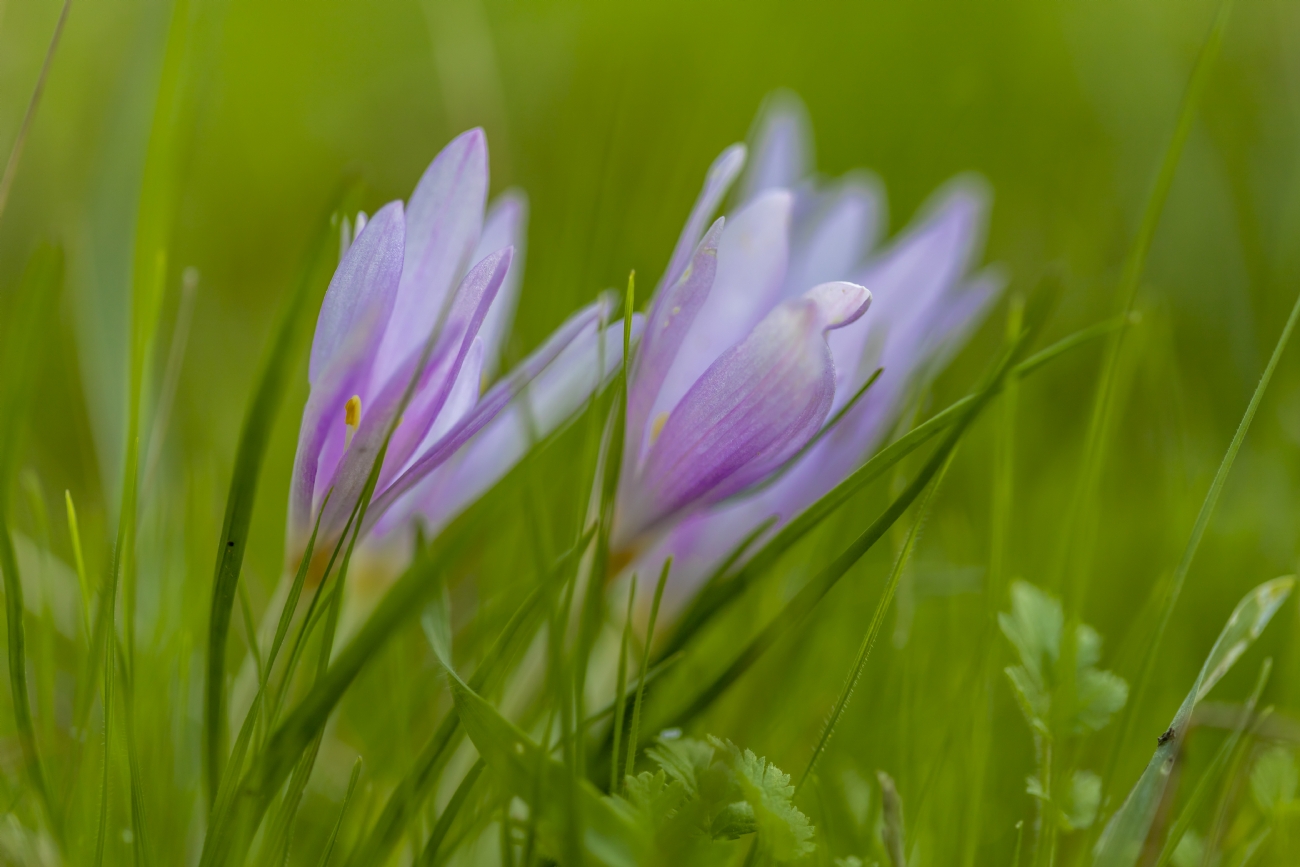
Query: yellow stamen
x=351, y=418
x=657, y=426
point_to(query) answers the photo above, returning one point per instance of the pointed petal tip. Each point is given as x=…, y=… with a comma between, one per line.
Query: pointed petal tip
x=839, y=303
x=728, y=164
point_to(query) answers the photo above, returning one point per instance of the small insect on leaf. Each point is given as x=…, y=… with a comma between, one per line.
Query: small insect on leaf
x=1165, y=737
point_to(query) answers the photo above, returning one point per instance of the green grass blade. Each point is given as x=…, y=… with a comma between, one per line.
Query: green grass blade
x=718, y=592
x=16, y=153
x=877, y=620
x=405, y=802
x=38, y=293
x=1205, y=785
x=1185, y=563
x=431, y=854
x=811, y=593
x=282, y=358
x=644, y=669
x=1125, y=834
x=79, y=561
x=620, y=686
x=343, y=811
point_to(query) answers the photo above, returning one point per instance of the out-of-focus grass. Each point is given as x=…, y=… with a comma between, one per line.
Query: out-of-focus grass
x=607, y=116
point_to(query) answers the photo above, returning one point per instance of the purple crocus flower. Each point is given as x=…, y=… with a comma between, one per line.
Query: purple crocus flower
x=743, y=362
x=436, y=269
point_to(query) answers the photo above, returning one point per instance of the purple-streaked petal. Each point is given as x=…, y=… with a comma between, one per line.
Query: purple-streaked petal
x=716, y=183
x=430, y=393
x=461, y=399
x=831, y=241
x=908, y=280
x=669, y=321
x=474, y=297
x=506, y=225
x=751, y=269
x=361, y=290
x=443, y=221
x=759, y=403
x=783, y=151
x=538, y=396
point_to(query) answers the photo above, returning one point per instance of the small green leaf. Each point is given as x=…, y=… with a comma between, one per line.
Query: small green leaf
x=783, y=831
x=1273, y=779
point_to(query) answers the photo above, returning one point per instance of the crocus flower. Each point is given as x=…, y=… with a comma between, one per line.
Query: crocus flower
x=749, y=348
x=434, y=270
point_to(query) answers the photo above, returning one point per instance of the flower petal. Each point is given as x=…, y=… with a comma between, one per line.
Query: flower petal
x=832, y=239
x=430, y=393
x=361, y=290
x=752, y=257
x=443, y=221
x=353, y=316
x=716, y=183
x=759, y=403
x=506, y=225
x=669, y=321
x=783, y=151
x=544, y=392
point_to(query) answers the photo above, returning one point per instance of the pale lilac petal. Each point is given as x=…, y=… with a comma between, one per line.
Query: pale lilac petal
x=461, y=399
x=506, y=225
x=752, y=257
x=758, y=404
x=907, y=280
x=362, y=289
x=831, y=241
x=669, y=321
x=494, y=401
x=716, y=183
x=443, y=221
x=783, y=151
x=469, y=308
x=432, y=387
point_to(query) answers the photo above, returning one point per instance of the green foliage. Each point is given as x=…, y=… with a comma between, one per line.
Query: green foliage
x=1034, y=626
x=1273, y=780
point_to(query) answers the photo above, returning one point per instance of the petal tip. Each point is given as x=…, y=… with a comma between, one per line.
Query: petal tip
x=840, y=302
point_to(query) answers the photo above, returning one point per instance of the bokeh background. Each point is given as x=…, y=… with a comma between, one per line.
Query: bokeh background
x=607, y=115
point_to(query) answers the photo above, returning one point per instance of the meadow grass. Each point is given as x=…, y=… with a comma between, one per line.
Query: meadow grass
x=499, y=699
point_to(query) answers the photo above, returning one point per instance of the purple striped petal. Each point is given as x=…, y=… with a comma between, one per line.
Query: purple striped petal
x=506, y=225
x=443, y=221
x=370, y=270
x=430, y=393
x=716, y=183
x=758, y=404
x=752, y=256
x=362, y=289
x=550, y=400
x=832, y=240
x=491, y=405
x=670, y=320
x=783, y=151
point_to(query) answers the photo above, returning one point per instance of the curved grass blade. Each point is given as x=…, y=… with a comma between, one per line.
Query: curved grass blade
x=877, y=620
x=406, y=800
x=430, y=856
x=798, y=608
x=608, y=836
x=1185, y=563
x=1126, y=832
x=38, y=291
x=1203, y=786
x=719, y=591
x=620, y=686
x=281, y=360
x=643, y=670
x=343, y=811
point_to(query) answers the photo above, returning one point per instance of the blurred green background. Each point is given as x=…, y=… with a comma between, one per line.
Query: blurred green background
x=607, y=115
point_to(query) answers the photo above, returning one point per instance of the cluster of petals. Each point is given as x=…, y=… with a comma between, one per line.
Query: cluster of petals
x=757, y=336
x=411, y=326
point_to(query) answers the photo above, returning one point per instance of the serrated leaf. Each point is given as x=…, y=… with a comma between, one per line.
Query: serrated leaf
x=1080, y=810
x=654, y=796
x=783, y=832
x=683, y=759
